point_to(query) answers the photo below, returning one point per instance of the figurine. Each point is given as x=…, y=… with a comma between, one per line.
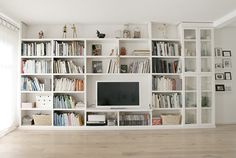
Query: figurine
x=100, y=35
x=122, y=51
x=64, y=31
x=126, y=32
x=74, y=35
x=41, y=35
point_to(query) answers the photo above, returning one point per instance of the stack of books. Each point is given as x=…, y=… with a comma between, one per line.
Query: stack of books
x=65, y=84
x=161, y=83
x=165, y=66
x=32, y=84
x=36, y=49
x=166, y=49
x=166, y=101
x=67, y=119
x=113, y=66
x=141, y=52
x=139, y=67
x=134, y=119
x=73, y=48
x=36, y=66
x=63, y=102
x=64, y=66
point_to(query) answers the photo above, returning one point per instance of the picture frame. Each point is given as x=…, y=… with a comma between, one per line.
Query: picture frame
x=218, y=52
x=227, y=76
x=219, y=76
x=97, y=66
x=220, y=87
x=227, y=63
x=96, y=49
x=124, y=69
x=218, y=65
x=226, y=53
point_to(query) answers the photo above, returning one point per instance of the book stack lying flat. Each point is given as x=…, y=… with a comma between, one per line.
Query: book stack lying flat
x=166, y=66
x=32, y=84
x=139, y=67
x=134, y=119
x=67, y=119
x=65, y=84
x=64, y=66
x=161, y=83
x=36, y=66
x=166, y=101
x=36, y=49
x=141, y=52
x=113, y=66
x=74, y=48
x=166, y=49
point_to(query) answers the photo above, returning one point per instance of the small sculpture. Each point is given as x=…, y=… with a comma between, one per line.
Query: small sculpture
x=100, y=35
x=41, y=35
x=122, y=51
x=74, y=35
x=64, y=31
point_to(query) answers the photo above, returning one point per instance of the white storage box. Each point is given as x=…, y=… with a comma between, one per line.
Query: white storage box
x=27, y=105
x=44, y=102
x=171, y=119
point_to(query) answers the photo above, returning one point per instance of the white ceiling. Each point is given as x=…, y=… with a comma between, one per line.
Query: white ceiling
x=115, y=11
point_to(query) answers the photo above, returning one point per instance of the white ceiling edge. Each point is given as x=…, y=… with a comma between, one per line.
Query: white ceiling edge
x=11, y=20
x=225, y=20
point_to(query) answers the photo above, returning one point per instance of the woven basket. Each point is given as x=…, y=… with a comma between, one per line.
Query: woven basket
x=171, y=119
x=42, y=120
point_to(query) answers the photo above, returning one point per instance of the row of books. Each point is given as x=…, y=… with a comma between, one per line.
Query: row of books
x=166, y=49
x=64, y=66
x=113, y=66
x=139, y=67
x=134, y=119
x=35, y=66
x=63, y=102
x=67, y=119
x=66, y=84
x=73, y=48
x=166, y=101
x=36, y=49
x=33, y=84
x=161, y=83
x=166, y=66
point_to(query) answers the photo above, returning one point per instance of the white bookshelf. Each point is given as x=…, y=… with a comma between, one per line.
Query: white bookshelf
x=191, y=116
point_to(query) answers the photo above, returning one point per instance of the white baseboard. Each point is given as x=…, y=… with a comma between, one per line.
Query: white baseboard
x=6, y=131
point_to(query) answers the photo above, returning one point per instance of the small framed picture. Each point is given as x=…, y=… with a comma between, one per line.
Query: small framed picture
x=228, y=76
x=97, y=66
x=218, y=65
x=219, y=76
x=218, y=52
x=96, y=49
x=226, y=53
x=220, y=87
x=227, y=63
x=123, y=69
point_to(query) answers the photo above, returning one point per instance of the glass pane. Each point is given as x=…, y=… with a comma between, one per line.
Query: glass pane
x=190, y=99
x=191, y=116
x=206, y=83
x=190, y=48
x=205, y=34
x=206, y=48
x=206, y=65
x=190, y=83
x=189, y=34
x=206, y=116
x=190, y=65
x=206, y=99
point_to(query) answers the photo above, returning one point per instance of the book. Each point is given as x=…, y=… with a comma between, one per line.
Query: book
x=65, y=66
x=67, y=119
x=161, y=83
x=166, y=100
x=139, y=67
x=96, y=49
x=166, y=66
x=97, y=67
x=36, y=66
x=68, y=48
x=166, y=49
x=36, y=48
x=66, y=84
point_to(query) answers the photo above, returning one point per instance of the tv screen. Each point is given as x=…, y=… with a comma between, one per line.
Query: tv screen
x=117, y=93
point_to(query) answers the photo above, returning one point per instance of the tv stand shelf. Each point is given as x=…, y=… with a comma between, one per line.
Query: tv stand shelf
x=176, y=82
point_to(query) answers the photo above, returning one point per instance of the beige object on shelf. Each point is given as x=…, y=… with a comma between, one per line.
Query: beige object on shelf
x=171, y=119
x=42, y=120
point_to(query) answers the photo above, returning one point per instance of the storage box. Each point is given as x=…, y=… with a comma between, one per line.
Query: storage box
x=42, y=120
x=44, y=102
x=27, y=105
x=170, y=119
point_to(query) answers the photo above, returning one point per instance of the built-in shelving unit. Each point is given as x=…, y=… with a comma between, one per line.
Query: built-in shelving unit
x=177, y=86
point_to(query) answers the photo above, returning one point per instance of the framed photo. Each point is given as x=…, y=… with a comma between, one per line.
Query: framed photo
x=227, y=63
x=220, y=87
x=226, y=53
x=96, y=49
x=123, y=69
x=219, y=76
x=97, y=66
x=218, y=65
x=228, y=76
x=218, y=52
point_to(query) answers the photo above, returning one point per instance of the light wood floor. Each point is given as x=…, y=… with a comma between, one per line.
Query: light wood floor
x=191, y=143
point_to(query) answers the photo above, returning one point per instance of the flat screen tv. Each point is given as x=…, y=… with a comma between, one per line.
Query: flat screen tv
x=118, y=94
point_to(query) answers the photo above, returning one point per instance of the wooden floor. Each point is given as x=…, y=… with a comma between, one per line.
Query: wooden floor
x=219, y=142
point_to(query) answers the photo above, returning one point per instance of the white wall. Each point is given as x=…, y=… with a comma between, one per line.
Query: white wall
x=226, y=101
